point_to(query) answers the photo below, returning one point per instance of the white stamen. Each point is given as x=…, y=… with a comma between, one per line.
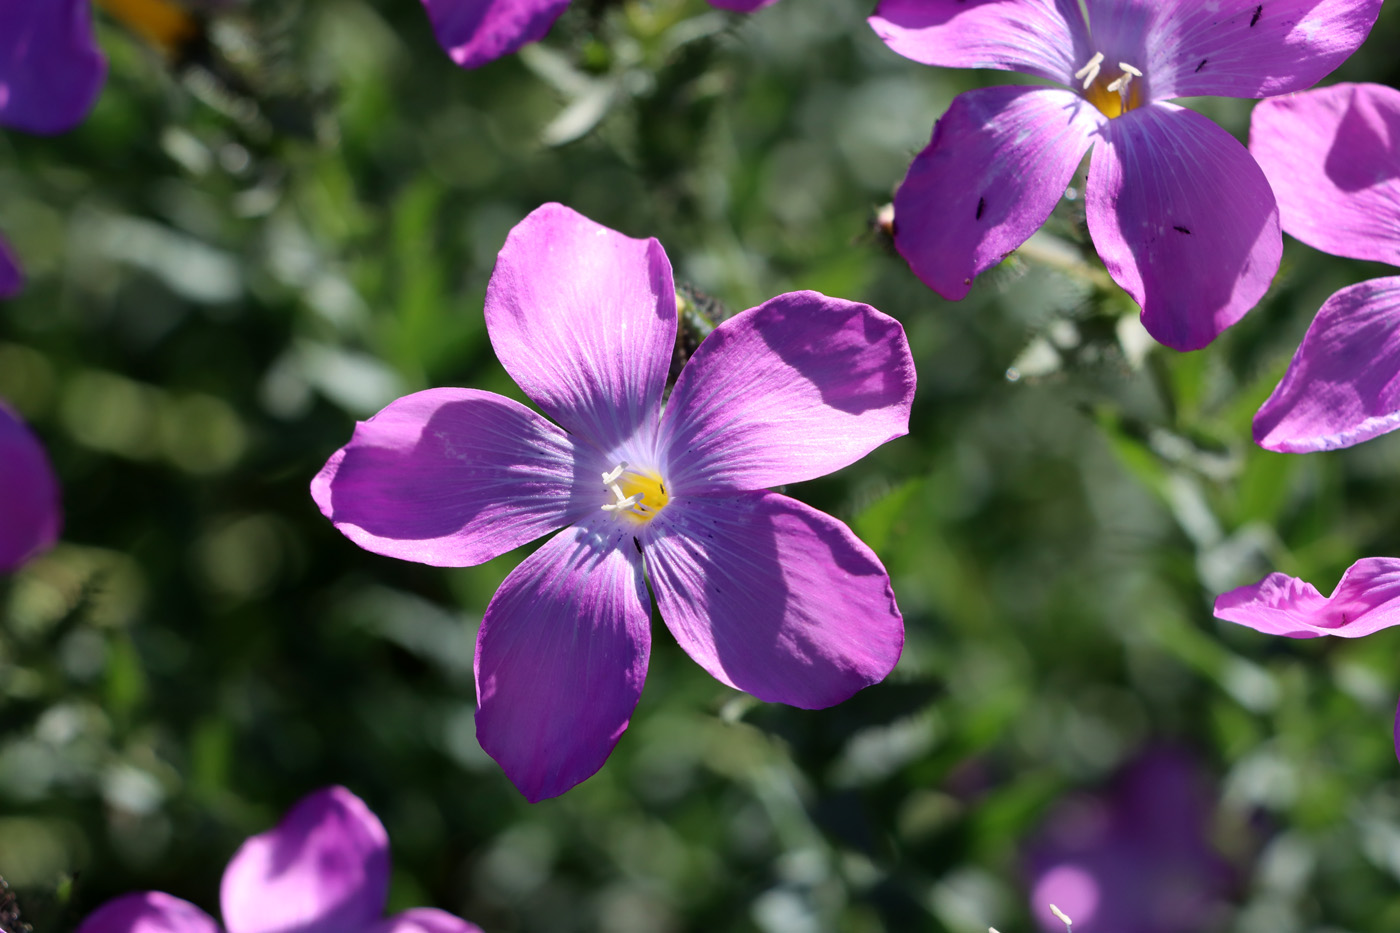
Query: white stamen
x=1130, y=69
x=622, y=504
x=1090, y=72
x=611, y=477
x=1060, y=916
x=1120, y=83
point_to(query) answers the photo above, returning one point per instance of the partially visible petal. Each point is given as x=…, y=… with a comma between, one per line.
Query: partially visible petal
x=50, y=68
x=584, y=320
x=773, y=597
x=148, y=912
x=742, y=6
x=1039, y=37
x=999, y=161
x=455, y=477
x=475, y=32
x=30, y=514
x=1184, y=220
x=11, y=276
x=793, y=389
x=561, y=658
x=1333, y=158
x=425, y=920
x=1366, y=600
x=1248, y=48
x=323, y=869
x=1343, y=385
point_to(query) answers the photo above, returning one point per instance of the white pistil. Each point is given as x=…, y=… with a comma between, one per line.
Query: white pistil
x=1120, y=84
x=610, y=480
x=1060, y=914
x=1090, y=72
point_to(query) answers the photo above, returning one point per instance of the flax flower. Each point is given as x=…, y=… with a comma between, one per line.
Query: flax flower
x=1179, y=212
x=475, y=32
x=29, y=506
x=323, y=869
x=767, y=594
x=1333, y=157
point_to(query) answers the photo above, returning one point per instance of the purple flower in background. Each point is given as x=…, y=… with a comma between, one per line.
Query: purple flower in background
x=767, y=594
x=30, y=515
x=1366, y=600
x=475, y=32
x=1333, y=157
x=1179, y=212
x=1134, y=859
x=11, y=277
x=323, y=869
x=50, y=68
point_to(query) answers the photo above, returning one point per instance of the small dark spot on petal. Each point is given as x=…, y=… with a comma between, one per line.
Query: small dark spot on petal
x=981, y=207
x=637, y=543
x=1258, y=12
x=1201, y=65
x=1180, y=229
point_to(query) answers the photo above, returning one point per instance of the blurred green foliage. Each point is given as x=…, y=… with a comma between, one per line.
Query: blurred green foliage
x=229, y=266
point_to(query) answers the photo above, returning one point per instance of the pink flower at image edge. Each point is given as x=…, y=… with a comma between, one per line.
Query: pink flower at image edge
x=323, y=869
x=770, y=596
x=1181, y=215
x=30, y=513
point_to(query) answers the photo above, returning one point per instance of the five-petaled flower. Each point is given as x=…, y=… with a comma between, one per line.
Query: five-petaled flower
x=1333, y=157
x=474, y=32
x=323, y=869
x=1366, y=600
x=1181, y=215
x=767, y=594
x=30, y=514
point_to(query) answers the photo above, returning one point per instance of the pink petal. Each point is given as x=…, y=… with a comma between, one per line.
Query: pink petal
x=999, y=162
x=1249, y=48
x=584, y=319
x=1333, y=158
x=323, y=869
x=455, y=477
x=1343, y=385
x=773, y=597
x=11, y=276
x=1031, y=36
x=1184, y=220
x=148, y=912
x=561, y=658
x=793, y=389
x=742, y=6
x=30, y=514
x=425, y=920
x=50, y=68
x=1365, y=601
x=475, y=32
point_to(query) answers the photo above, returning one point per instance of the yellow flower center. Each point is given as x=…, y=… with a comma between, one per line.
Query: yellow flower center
x=638, y=494
x=1113, y=93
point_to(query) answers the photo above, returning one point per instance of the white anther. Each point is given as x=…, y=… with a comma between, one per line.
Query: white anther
x=1130, y=69
x=1121, y=82
x=612, y=476
x=622, y=504
x=1090, y=72
x=1060, y=916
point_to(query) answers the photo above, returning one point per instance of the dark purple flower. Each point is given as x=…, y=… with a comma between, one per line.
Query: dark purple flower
x=30, y=515
x=50, y=67
x=475, y=32
x=767, y=594
x=1180, y=213
x=1333, y=157
x=11, y=277
x=1134, y=859
x=323, y=869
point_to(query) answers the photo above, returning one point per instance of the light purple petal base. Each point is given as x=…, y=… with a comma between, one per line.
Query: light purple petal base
x=1343, y=385
x=774, y=597
x=1366, y=600
x=561, y=657
x=323, y=869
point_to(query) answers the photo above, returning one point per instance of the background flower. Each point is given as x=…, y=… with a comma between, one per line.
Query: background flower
x=1180, y=214
x=30, y=514
x=323, y=869
x=768, y=595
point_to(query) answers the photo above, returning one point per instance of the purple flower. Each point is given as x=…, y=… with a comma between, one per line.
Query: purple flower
x=475, y=32
x=323, y=869
x=767, y=594
x=30, y=515
x=1181, y=215
x=1333, y=157
x=11, y=277
x=50, y=68
x=1135, y=859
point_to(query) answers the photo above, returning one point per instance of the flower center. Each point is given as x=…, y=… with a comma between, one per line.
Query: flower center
x=638, y=494
x=1113, y=93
